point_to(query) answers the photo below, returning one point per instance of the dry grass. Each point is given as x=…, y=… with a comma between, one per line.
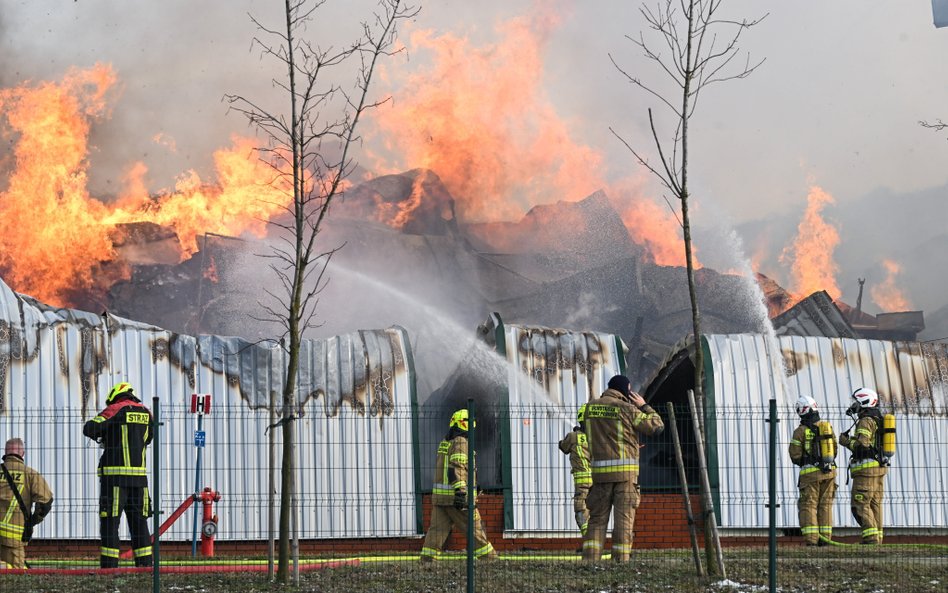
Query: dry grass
x=836, y=570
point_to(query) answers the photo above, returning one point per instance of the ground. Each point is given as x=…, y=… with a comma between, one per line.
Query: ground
x=853, y=569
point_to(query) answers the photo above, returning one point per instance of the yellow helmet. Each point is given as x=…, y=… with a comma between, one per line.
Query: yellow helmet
x=460, y=419
x=118, y=390
x=581, y=414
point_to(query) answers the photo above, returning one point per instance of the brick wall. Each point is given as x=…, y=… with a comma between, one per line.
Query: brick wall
x=660, y=522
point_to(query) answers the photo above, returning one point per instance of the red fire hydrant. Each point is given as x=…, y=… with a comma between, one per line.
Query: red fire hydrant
x=209, y=524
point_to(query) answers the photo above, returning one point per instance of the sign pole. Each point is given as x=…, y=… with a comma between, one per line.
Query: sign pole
x=200, y=405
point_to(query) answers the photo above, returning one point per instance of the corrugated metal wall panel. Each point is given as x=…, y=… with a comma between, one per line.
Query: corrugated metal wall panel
x=911, y=378
x=551, y=373
x=355, y=433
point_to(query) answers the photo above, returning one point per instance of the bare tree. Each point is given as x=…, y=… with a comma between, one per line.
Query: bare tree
x=694, y=47
x=309, y=150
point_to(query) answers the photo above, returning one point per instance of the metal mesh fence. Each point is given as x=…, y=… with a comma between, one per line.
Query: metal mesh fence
x=363, y=497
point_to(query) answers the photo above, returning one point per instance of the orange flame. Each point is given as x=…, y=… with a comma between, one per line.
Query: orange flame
x=53, y=234
x=211, y=271
x=812, y=267
x=50, y=234
x=479, y=118
x=888, y=295
x=405, y=208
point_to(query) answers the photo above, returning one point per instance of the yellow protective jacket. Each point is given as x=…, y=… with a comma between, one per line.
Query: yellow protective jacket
x=124, y=429
x=803, y=452
x=864, y=445
x=576, y=445
x=451, y=471
x=33, y=490
x=613, y=426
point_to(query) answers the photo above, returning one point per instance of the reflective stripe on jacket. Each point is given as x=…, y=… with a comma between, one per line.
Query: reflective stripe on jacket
x=863, y=446
x=450, y=474
x=613, y=426
x=33, y=490
x=124, y=429
x=576, y=445
x=802, y=452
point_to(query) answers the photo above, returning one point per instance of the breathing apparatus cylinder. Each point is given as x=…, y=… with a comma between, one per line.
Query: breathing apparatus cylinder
x=888, y=436
x=827, y=443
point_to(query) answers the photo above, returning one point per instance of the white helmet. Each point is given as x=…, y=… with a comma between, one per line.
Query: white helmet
x=805, y=405
x=867, y=398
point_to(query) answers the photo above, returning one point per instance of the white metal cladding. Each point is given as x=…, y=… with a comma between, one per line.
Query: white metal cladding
x=356, y=472
x=552, y=372
x=911, y=379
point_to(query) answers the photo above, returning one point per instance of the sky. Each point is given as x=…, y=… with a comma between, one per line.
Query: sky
x=835, y=104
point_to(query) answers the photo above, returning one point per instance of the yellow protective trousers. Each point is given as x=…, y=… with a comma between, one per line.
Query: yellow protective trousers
x=12, y=553
x=816, y=509
x=443, y=518
x=866, y=505
x=581, y=512
x=604, y=497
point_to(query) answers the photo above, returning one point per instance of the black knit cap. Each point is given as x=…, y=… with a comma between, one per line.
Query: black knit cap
x=621, y=384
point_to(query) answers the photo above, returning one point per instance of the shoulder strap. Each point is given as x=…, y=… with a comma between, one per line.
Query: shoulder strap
x=16, y=492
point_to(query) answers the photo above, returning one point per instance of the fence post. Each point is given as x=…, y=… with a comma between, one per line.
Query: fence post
x=471, y=485
x=683, y=478
x=156, y=491
x=772, y=490
x=271, y=487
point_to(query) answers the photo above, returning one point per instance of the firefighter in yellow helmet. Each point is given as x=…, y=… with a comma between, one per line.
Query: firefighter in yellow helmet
x=34, y=495
x=813, y=448
x=449, y=498
x=576, y=445
x=867, y=466
x=124, y=430
x=614, y=422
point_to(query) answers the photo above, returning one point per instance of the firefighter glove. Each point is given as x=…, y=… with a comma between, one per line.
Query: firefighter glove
x=844, y=439
x=460, y=499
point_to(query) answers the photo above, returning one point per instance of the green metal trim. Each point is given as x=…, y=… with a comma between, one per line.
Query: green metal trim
x=415, y=432
x=500, y=346
x=710, y=426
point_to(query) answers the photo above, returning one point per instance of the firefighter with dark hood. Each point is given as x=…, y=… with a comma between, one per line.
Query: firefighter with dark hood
x=20, y=511
x=813, y=449
x=869, y=461
x=123, y=430
x=449, y=496
x=576, y=445
x=614, y=423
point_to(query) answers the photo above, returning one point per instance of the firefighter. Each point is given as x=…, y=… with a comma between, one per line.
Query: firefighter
x=813, y=448
x=576, y=445
x=34, y=495
x=614, y=422
x=124, y=430
x=449, y=494
x=867, y=466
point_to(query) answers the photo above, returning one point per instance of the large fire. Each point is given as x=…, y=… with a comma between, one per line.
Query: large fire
x=888, y=295
x=812, y=267
x=478, y=117
x=54, y=236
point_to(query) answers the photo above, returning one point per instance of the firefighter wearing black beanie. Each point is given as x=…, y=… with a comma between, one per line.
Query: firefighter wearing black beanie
x=614, y=423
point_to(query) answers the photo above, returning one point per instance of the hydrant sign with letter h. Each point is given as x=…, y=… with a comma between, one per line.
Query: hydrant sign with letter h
x=201, y=405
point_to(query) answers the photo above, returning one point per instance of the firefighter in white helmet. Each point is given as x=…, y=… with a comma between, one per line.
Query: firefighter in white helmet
x=867, y=466
x=813, y=449
x=449, y=496
x=576, y=445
